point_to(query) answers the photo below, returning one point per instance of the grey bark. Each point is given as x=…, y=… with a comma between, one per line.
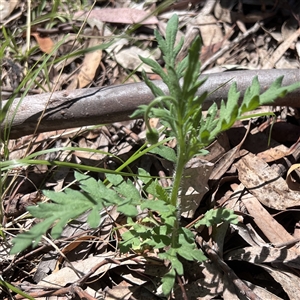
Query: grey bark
x=93, y=106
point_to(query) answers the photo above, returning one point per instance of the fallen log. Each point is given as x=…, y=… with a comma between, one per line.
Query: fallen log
x=93, y=106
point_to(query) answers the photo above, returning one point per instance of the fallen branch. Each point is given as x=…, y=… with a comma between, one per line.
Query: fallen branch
x=115, y=103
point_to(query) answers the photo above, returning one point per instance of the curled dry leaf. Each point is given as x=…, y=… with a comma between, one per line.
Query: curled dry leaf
x=291, y=182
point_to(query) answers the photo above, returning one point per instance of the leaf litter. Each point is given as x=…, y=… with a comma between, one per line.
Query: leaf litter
x=256, y=258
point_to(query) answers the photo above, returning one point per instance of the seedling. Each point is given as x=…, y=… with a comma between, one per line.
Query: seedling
x=181, y=113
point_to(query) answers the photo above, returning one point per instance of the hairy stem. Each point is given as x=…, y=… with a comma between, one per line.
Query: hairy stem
x=181, y=161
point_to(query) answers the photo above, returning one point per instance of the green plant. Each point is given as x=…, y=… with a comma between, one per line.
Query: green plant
x=181, y=114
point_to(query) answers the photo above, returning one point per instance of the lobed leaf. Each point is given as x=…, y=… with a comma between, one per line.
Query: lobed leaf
x=192, y=71
x=168, y=281
x=276, y=90
x=165, y=152
x=216, y=216
x=171, y=32
x=156, y=68
x=70, y=204
x=156, y=91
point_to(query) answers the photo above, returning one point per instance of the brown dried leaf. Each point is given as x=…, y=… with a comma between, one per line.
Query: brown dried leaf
x=289, y=281
x=45, y=43
x=122, y=290
x=223, y=164
x=67, y=274
x=265, y=183
x=264, y=255
x=274, y=231
x=194, y=187
x=129, y=58
x=90, y=63
x=261, y=292
x=259, y=256
x=249, y=234
x=211, y=32
x=281, y=49
x=6, y=8
x=119, y=15
x=274, y=153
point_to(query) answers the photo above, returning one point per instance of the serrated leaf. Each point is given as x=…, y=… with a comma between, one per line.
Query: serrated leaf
x=276, y=90
x=165, y=152
x=186, y=253
x=252, y=92
x=198, y=255
x=173, y=84
x=70, y=204
x=129, y=241
x=139, y=112
x=67, y=205
x=161, y=42
x=160, y=113
x=177, y=49
x=192, y=71
x=168, y=282
x=150, y=184
x=229, y=114
x=128, y=210
x=162, y=194
x=216, y=216
x=115, y=179
x=125, y=188
x=171, y=32
x=158, y=205
x=177, y=265
x=30, y=238
x=181, y=67
x=156, y=91
x=171, y=255
x=94, y=218
x=155, y=67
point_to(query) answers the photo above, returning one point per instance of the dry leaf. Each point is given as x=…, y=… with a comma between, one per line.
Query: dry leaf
x=67, y=275
x=6, y=8
x=90, y=63
x=289, y=281
x=273, y=231
x=119, y=15
x=211, y=32
x=195, y=185
x=281, y=49
x=292, y=184
x=129, y=59
x=274, y=153
x=265, y=184
x=45, y=43
x=265, y=255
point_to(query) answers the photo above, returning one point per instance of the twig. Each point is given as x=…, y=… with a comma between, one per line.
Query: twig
x=228, y=47
x=184, y=295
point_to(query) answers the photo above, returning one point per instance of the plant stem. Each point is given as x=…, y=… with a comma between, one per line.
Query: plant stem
x=181, y=161
x=175, y=197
